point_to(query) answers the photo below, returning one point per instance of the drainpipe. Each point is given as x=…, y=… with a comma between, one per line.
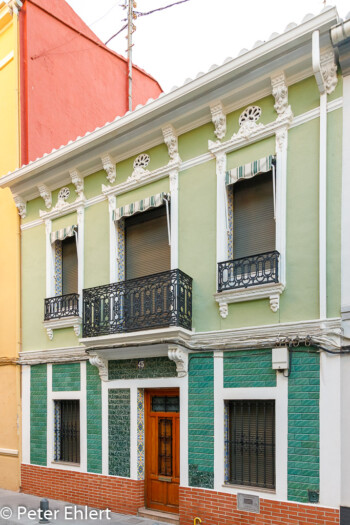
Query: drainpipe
x=316, y=66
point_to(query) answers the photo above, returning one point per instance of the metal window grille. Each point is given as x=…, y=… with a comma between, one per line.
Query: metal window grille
x=165, y=447
x=251, y=443
x=67, y=431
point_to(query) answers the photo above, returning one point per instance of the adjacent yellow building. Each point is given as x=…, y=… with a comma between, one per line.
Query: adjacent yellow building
x=9, y=252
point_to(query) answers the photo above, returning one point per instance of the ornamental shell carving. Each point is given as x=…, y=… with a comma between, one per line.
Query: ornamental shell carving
x=142, y=161
x=251, y=114
x=63, y=194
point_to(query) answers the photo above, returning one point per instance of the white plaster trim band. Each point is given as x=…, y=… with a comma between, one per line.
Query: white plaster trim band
x=8, y=452
x=253, y=293
x=57, y=355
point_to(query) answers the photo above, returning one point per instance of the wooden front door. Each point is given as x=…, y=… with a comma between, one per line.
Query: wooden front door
x=162, y=410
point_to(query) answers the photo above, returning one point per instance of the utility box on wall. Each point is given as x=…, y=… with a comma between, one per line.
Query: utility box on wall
x=280, y=358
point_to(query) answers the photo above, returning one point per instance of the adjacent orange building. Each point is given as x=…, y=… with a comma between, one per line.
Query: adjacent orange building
x=57, y=81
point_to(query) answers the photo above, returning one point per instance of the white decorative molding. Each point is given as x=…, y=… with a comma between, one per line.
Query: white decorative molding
x=45, y=193
x=21, y=206
x=281, y=138
x=280, y=94
x=253, y=293
x=140, y=163
x=179, y=355
x=78, y=182
x=329, y=72
x=109, y=167
x=174, y=180
x=101, y=364
x=55, y=355
x=248, y=123
x=170, y=139
x=218, y=118
x=8, y=452
x=64, y=322
x=62, y=208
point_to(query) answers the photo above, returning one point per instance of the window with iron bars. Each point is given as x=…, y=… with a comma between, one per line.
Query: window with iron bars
x=250, y=444
x=67, y=431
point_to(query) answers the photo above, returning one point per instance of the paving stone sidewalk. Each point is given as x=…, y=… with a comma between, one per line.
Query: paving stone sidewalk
x=15, y=507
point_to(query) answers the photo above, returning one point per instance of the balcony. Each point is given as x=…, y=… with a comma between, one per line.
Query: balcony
x=156, y=301
x=249, y=279
x=248, y=271
x=62, y=306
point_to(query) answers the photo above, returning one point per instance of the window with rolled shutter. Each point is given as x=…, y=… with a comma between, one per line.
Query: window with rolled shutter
x=253, y=216
x=147, y=243
x=69, y=266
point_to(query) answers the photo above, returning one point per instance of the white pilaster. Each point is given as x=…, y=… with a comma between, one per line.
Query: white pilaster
x=221, y=208
x=219, y=417
x=174, y=218
x=80, y=252
x=184, y=431
x=281, y=198
x=113, y=245
x=49, y=260
x=26, y=414
x=105, y=426
x=330, y=421
x=133, y=431
x=323, y=207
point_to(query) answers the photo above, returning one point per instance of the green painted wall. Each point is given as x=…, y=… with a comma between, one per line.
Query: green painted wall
x=63, y=222
x=154, y=367
x=197, y=234
x=38, y=414
x=94, y=419
x=303, y=424
x=248, y=369
x=119, y=432
x=93, y=184
x=96, y=256
x=145, y=191
x=195, y=142
x=201, y=421
x=66, y=377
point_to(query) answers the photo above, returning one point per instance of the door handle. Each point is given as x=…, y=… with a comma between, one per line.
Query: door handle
x=164, y=478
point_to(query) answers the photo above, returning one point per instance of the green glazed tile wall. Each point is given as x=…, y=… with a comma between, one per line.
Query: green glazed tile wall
x=154, y=367
x=201, y=421
x=252, y=368
x=119, y=432
x=94, y=419
x=66, y=377
x=303, y=425
x=38, y=414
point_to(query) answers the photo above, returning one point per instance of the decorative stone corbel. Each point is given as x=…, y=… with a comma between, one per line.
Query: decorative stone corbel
x=218, y=118
x=101, y=364
x=223, y=309
x=21, y=205
x=170, y=139
x=78, y=182
x=180, y=357
x=281, y=138
x=49, y=333
x=280, y=94
x=109, y=167
x=76, y=329
x=275, y=302
x=45, y=193
x=329, y=72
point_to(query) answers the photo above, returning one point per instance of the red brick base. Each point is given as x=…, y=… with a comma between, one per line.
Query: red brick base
x=127, y=496
x=117, y=494
x=218, y=508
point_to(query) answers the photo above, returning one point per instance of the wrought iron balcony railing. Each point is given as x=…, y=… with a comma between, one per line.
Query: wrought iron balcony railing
x=248, y=271
x=62, y=306
x=155, y=301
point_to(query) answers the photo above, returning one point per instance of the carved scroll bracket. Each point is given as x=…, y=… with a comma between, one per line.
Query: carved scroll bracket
x=109, y=167
x=101, y=364
x=170, y=139
x=179, y=355
x=218, y=118
x=78, y=182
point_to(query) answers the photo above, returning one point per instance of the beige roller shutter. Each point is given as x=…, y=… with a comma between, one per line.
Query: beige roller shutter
x=69, y=266
x=147, y=244
x=253, y=222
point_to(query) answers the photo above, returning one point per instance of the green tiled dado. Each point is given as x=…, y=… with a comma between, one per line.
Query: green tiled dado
x=119, y=432
x=303, y=425
x=201, y=421
x=153, y=367
x=94, y=419
x=38, y=414
x=249, y=368
x=66, y=377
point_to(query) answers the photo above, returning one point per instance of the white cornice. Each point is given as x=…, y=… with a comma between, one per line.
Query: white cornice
x=181, y=101
x=56, y=355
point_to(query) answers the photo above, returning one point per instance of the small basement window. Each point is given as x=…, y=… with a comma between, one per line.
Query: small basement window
x=67, y=431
